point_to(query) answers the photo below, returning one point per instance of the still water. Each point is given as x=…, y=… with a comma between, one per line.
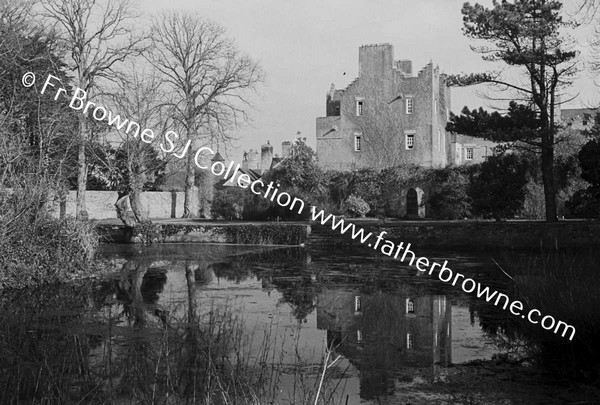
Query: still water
x=172, y=323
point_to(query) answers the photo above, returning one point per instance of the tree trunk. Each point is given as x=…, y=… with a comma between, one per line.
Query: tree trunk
x=190, y=208
x=81, y=210
x=123, y=210
x=190, y=277
x=548, y=180
x=135, y=195
x=205, y=194
x=136, y=205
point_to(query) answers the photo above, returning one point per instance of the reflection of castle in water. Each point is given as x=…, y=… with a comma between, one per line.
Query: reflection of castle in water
x=393, y=331
x=388, y=336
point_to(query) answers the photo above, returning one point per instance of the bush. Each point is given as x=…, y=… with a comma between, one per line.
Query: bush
x=228, y=203
x=449, y=198
x=356, y=206
x=499, y=189
x=366, y=184
x=35, y=248
x=584, y=204
x=46, y=251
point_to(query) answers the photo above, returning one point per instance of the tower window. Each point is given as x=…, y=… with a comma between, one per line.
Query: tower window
x=409, y=341
x=410, y=306
x=357, y=144
x=359, y=107
x=469, y=154
x=359, y=336
x=357, y=304
x=409, y=105
x=410, y=141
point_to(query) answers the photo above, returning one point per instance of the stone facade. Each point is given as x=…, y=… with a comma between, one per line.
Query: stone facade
x=388, y=117
x=578, y=118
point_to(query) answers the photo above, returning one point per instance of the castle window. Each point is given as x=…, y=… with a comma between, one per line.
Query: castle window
x=357, y=144
x=410, y=306
x=357, y=304
x=409, y=105
x=358, y=336
x=469, y=154
x=359, y=108
x=409, y=341
x=410, y=141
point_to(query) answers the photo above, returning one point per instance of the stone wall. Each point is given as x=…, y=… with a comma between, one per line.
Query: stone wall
x=101, y=204
x=474, y=234
x=242, y=233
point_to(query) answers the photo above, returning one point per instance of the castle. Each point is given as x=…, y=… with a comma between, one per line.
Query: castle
x=389, y=117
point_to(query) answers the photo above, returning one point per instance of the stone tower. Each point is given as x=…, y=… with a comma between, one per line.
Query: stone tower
x=266, y=157
x=286, y=147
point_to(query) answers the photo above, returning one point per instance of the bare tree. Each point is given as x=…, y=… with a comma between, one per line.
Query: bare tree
x=211, y=79
x=136, y=161
x=98, y=35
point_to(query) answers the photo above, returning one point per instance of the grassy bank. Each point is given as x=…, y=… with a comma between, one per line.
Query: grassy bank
x=565, y=285
x=37, y=249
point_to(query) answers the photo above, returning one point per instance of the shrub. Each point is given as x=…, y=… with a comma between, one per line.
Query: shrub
x=35, y=248
x=498, y=190
x=533, y=205
x=584, y=203
x=366, y=184
x=46, y=251
x=228, y=203
x=449, y=198
x=356, y=206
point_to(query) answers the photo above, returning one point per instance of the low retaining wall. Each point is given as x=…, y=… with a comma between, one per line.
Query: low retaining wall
x=236, y=233
x=441, y=234
x=475, y=234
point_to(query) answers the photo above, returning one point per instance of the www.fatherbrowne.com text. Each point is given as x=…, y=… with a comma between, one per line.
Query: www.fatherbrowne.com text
x=78, y=101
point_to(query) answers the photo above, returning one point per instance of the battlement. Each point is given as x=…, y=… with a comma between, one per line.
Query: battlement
x=376, y=45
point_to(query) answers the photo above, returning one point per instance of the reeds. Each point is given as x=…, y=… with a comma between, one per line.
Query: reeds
x=566, y=285
x=79, y=345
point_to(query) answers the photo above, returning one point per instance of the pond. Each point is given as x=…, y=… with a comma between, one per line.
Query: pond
x=183, y=323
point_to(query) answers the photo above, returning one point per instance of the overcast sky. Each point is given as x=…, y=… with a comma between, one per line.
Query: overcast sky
x=304, y=46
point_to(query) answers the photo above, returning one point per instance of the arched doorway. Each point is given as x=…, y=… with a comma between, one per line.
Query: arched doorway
x=414, y=203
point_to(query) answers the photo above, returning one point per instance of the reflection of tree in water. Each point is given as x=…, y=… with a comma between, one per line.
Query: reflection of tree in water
x=137, y=289
x=300, y=294
x=42, y=349
x=494, y=321
x=235, y=271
